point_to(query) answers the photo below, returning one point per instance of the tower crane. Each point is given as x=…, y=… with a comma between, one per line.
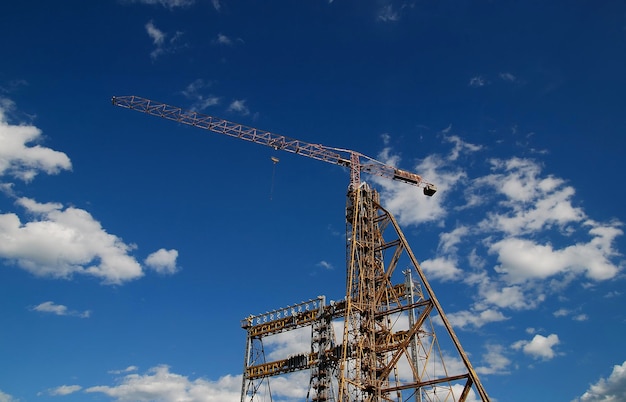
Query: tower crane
x=355, y=161
x=367, y=365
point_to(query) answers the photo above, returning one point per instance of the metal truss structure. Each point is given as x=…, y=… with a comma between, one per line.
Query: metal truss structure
x=389, y=350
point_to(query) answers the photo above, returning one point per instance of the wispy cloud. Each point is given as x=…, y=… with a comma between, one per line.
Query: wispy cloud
x=391, y=11
x=388, y=14
x=64, y=390
x=325, y=265
x=59, y=309
x=163, y=42
x=223, y=40
x=197, y=92
x=477, y=81
x=239, y=106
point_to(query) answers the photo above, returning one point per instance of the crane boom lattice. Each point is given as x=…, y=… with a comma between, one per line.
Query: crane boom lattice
x=388, y=350
x=356, y=161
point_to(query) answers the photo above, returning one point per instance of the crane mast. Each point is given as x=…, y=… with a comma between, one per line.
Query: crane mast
x=377, y=360
x=353, y=160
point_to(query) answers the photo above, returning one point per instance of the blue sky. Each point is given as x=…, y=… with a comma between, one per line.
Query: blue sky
x=131, y=247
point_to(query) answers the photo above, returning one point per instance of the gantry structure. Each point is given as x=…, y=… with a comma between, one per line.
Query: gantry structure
x=387, y=348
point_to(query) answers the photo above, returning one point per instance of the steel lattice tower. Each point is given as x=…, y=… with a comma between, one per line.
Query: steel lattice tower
x=389, y=350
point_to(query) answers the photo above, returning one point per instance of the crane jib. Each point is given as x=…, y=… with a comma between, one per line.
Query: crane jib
x=341, y=157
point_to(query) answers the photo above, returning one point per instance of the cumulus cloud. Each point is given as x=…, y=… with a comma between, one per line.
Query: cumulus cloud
x=496, y=361
x=475, y=319
x=57, y=241
x=523, y=237
x=59, y=309
x=20, y=156
x=163, y=261
x=612, y=389
x=540, y=347
x=442, y=268
x=159, y=384
x=62, y=242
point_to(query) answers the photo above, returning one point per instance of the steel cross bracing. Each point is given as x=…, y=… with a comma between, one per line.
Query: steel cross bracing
x=356, y=161
x=381, y=359
x=378, y=359
x=389, y=350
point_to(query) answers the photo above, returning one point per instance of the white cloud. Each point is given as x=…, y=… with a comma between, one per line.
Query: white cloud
x=157, y=36
x=512, y=297
x=59, y=309
x=194, y=91
x=62, y=242
x=562, y=312
x=477, y=81
x=540, y=347
x=464, y=319
x=161, y=46
x=497, y=362
x=521, y=260
x=4, y=397
x=407, y=203
x=525, y=207
x=240, y=107
x=449, y=240
x=580, y=317
x=612, y=389
x=64, y=390
x=22, y=160
x=126, y=370
x=159, y=384
x=163, y=261
x=442, y=268
x=223, y=40
x=388, y=14
x=460, y=146
x=56, y=241
x=325, y=265
x=216, y=4
x=507, y=77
